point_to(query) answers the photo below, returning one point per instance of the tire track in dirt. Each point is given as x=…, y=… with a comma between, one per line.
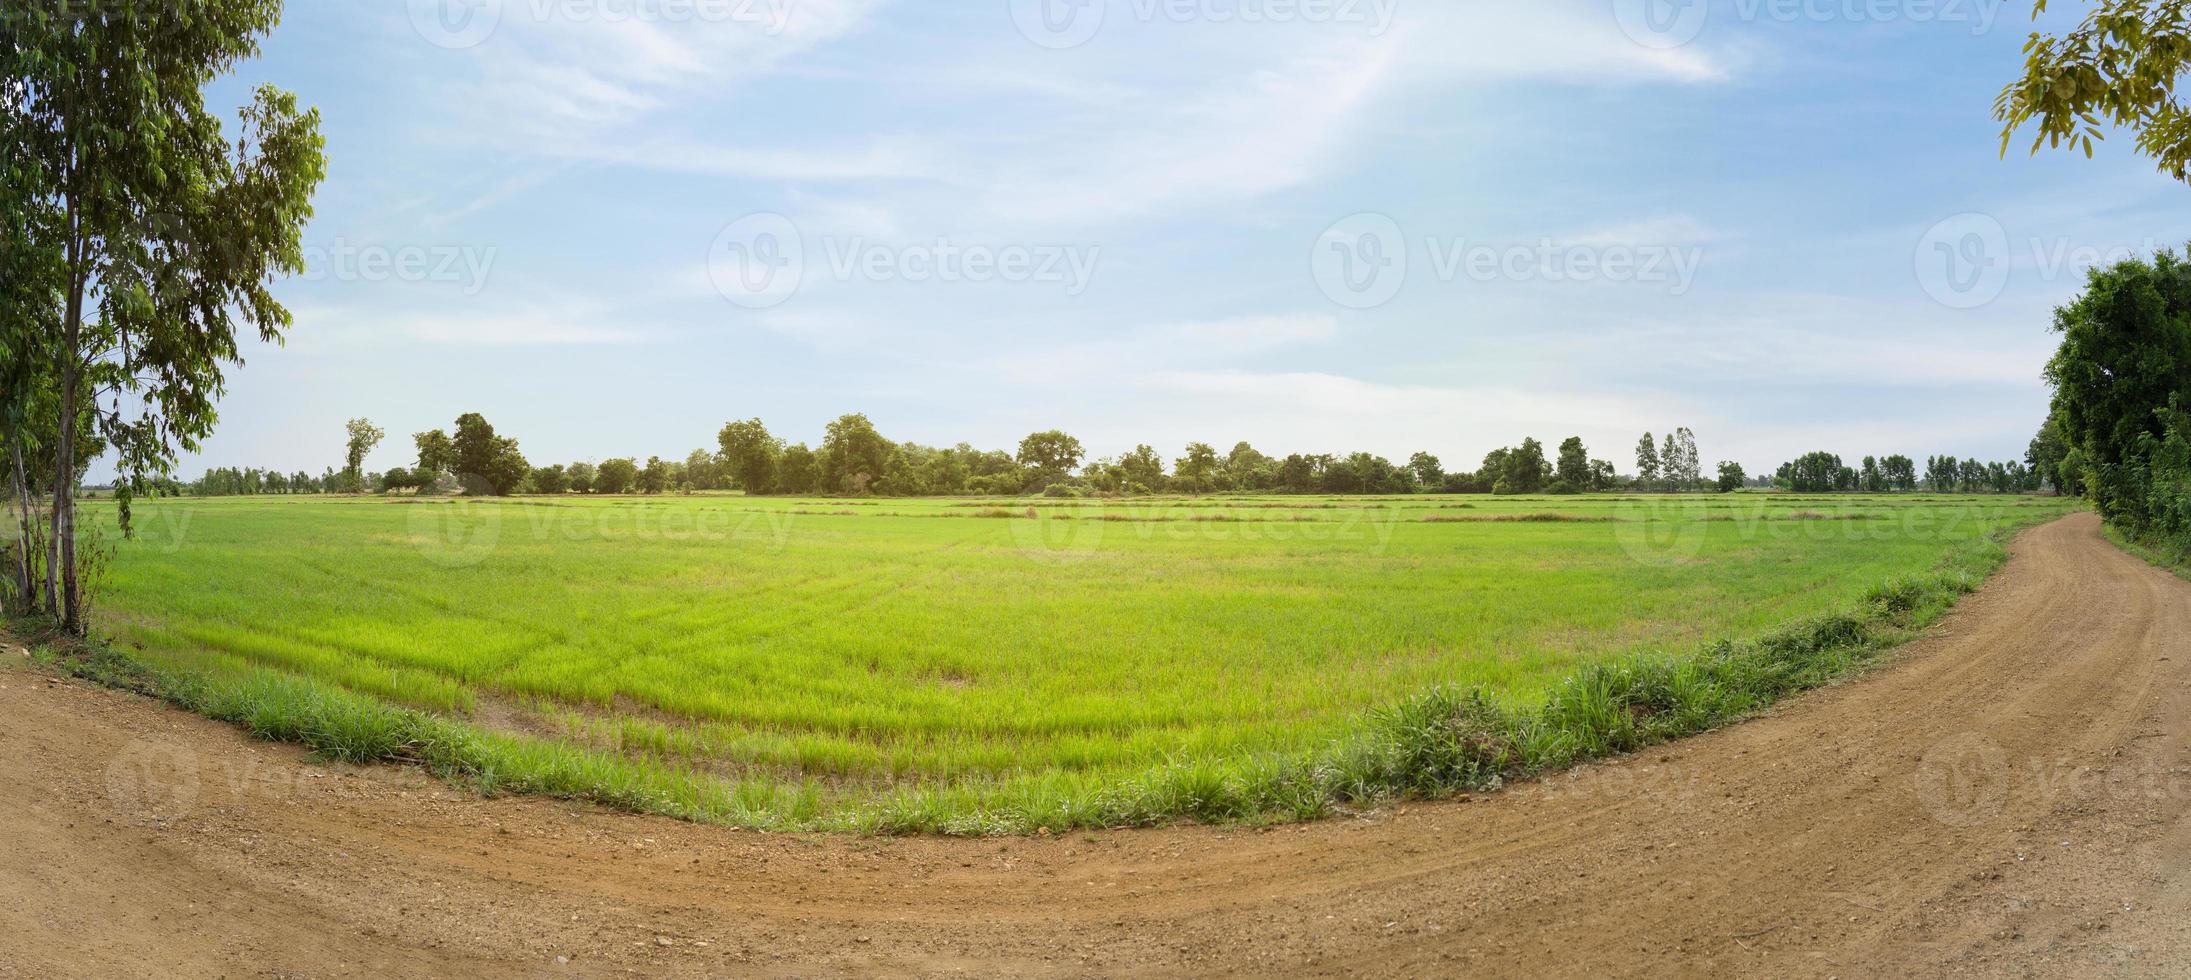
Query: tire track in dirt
x=2012, y=796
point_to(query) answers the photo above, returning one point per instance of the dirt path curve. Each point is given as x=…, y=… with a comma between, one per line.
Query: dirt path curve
x=2012, y=797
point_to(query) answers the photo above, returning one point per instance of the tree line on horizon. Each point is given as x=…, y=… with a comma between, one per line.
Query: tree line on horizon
x=854, y=459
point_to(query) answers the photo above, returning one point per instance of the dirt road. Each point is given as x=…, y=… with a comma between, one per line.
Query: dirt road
x=2012, y=797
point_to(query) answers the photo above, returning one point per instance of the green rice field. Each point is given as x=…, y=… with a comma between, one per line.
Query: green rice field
x=964, y=665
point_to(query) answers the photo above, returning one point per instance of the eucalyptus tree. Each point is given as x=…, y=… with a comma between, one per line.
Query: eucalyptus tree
x=167, y=234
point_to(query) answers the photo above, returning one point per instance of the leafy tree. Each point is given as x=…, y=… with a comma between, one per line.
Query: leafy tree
x=616, y=476
x=1647, y=461
x=1572, y=474
x=474, y=447
x=550, y=480
x=580, y=476
x=654, y=477
x=2045, y=455
x=1143, y=468
x=1817, y=472
x=436, y=454
x=2121, y=64
x=1731, y=477
x=1246, y=469
x=797, y=472
x=1049, y=457
x=750, y=455
x=507, y=469
x=150, y=233
x=703, y=470
x=2125, y=352
x=1429, y=473
x=363, y=436
x=853, y=455
x=1196, y=471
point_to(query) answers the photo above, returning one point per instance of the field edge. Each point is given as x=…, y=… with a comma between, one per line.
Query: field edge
x=1440, y=743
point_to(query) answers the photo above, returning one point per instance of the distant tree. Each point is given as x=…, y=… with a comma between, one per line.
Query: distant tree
x=1647, y=462
x=550, y=480
x=1899, y=471
x=2045, y=454
x=1049, y=457
x=1297, y=474
x=507, y=469
x=1429, y=473
x=1731, y=477
x=616, y=476
x=1572, y=474
x=796, y=472
x=1196, y=472
x=1142, y=468
x=1816, y=472
x=475, y=450
x=363, y=436
x=653, y=477
x=436, y=454
x=1601, y=474
x=703, y=470
x=580, y=477
x=1246, y=469
x=853, y=455
x=750, y=455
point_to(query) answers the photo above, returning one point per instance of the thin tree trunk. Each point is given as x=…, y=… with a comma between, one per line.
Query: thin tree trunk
x=64, y=484
x=64, y=453
x=26, y=597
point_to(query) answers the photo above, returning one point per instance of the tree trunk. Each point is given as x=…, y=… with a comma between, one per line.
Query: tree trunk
x=64, y=483
x=26, y=596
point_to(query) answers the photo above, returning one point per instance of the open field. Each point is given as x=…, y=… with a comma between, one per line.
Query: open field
x=2005, y=798
x=966, y=664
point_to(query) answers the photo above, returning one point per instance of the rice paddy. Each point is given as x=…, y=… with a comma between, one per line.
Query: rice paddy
x=967, y=665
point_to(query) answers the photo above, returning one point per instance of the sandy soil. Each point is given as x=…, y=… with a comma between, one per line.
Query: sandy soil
x=2009, y=798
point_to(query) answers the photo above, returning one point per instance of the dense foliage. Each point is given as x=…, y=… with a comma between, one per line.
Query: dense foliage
x=2122, y=388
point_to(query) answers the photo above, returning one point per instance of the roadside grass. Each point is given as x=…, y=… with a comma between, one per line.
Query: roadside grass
x=1470, y=733
x=2174, y=556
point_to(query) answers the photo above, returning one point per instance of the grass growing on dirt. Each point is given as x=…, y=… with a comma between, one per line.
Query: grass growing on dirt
x=802, y=664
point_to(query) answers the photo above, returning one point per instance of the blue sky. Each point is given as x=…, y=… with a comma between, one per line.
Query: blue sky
x=610, y=227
